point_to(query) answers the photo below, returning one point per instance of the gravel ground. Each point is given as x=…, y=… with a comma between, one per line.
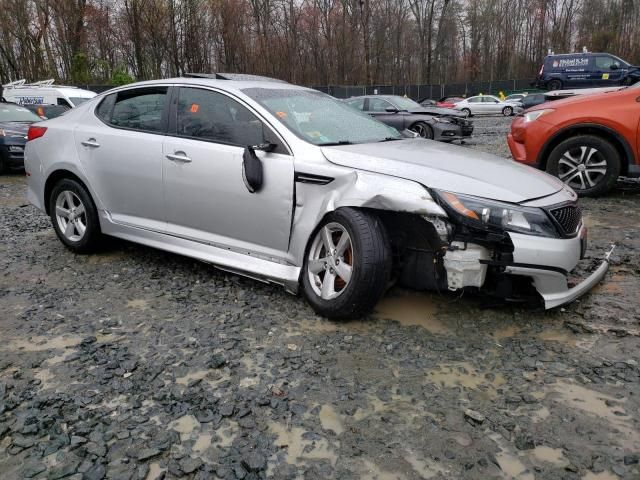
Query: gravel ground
x=139, y=364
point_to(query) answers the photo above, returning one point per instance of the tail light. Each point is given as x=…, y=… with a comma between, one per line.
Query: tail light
x=35, y=132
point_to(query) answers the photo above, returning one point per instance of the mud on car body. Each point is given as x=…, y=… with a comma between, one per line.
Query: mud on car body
x=288, y=185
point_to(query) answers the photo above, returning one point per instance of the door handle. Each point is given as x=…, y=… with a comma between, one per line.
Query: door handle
x=178, y=157
x=90, y=143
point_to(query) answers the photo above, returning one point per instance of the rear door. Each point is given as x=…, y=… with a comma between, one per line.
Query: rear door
x=120, y=148
x=206, y=197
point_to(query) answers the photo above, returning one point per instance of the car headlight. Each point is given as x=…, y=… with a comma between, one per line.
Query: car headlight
x=491, y=215
x=536, y=114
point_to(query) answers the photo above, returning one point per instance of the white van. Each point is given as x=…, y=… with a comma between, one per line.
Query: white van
x=45, y=93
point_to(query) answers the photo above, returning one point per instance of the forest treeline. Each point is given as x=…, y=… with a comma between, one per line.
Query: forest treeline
x=311, y=42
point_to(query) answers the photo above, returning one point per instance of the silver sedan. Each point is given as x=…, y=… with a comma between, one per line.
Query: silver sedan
x=288, y=185
x=487, y=105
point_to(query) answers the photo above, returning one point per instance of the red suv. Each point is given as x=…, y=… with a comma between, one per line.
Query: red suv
x=587, y=141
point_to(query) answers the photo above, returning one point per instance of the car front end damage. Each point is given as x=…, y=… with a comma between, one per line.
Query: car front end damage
x=514, y=252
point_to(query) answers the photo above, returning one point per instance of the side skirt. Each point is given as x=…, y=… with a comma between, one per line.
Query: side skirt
x=223, y=259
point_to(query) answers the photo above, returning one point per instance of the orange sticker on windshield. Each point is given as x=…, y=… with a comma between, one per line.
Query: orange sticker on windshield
x=194, y=107
x=282, y=114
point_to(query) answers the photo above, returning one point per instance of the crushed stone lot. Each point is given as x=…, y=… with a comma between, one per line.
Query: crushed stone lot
x=139, y=364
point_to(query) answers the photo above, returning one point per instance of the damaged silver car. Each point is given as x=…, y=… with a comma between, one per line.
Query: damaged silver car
x=288, y=185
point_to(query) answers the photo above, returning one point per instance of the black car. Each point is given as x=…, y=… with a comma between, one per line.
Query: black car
x=14, y=124
x=402, y=113
x=571, y=70
x=47, y=112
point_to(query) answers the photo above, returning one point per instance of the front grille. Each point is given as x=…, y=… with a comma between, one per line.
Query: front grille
x=569, y=217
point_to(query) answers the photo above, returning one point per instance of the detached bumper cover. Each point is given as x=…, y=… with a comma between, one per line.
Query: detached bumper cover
x=552, y=284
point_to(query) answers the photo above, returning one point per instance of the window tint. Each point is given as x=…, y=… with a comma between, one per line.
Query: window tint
x=475, y=100
x=378, y=105
x=358, y=103
x=489, y=99
x=63, y=102
x=103, y=112
x=605, y=62
x=213, y=116
x=140, y=109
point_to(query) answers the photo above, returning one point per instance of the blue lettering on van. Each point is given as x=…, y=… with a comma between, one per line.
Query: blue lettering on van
x=30, y=100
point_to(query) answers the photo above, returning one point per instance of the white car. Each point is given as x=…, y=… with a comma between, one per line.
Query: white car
x=45, y=93
x=486, y=105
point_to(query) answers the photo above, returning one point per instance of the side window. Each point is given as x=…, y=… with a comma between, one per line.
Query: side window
x=475, y=100
x=63, y=102
x=103, y=112
x=358, y=103
x=140, y=109
x=378, y=105
x=209, y=115
x=605, y=62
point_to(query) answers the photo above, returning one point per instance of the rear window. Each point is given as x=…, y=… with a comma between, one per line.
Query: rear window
x=138, y=109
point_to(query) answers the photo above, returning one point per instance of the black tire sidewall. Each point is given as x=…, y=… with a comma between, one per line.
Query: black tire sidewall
x=466, y=112
x=507, y=109
x=368, y=280
x=89, y=242
x=427, y=128
x=556, y=83
x=609, y=152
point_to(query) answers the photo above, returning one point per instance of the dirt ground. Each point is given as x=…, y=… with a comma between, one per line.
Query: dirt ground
x=139, y=364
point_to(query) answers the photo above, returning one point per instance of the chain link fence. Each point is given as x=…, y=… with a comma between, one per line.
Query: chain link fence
x=435, y=92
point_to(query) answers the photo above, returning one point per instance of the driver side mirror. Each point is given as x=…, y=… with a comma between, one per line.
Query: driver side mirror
x=391, y=110
x=614, y=66
x=252, y=169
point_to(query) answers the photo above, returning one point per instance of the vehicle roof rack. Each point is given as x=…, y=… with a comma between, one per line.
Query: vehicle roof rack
x=234, y=76
x=16, y=83
x=41, y=83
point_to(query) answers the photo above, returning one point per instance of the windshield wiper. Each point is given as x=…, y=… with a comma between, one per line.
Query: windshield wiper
x=339, y=142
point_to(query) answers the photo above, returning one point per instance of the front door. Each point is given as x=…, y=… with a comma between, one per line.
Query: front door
x=205, y=195
x=120, y=149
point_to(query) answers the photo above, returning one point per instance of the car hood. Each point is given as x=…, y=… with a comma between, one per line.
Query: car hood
x=15, y=130
x=448, y=167
x=436, y=111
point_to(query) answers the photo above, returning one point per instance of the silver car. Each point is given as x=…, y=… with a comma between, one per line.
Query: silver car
x=487, y=105
x=288, y=185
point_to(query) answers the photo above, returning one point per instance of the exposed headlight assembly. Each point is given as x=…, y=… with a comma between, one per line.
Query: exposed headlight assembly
x=536, y=114
x=491, y=215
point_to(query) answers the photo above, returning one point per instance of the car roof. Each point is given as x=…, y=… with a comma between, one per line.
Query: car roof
x=229, y=85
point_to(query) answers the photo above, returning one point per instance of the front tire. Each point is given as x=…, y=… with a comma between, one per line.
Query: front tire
x=588, y=164
x=423, y=130
x=507, y=111
x=347, y=264
x=554, y=85
x=74, y=216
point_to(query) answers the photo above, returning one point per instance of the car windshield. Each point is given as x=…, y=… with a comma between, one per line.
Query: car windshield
x=16, y=113
x=319, y=118
x=78, y=100
x=405, y=103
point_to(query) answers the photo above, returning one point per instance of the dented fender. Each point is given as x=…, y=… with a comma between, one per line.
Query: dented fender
x=354, y=189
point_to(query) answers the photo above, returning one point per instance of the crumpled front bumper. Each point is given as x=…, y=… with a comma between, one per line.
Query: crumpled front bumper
x=548, y=265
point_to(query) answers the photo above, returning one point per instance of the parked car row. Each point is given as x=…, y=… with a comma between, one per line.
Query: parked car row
x=291, y=186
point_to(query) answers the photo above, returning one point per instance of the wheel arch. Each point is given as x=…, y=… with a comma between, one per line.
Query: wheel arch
x=606, y=133
x=55, y=177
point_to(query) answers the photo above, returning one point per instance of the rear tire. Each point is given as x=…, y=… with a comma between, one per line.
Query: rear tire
x=554, y=85
x=74, y=216
x=422, y=129
x=507, y=111
x=587, y=163
x=466, y=112
x=364, y=254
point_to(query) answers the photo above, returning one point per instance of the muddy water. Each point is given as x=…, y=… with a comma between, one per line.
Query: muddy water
x=155, y=472
x=37, y=344
x=413, y=309
x=330, y=419
x=291, y=439
x=600, y=476
x=554, y=456
x=463, y=374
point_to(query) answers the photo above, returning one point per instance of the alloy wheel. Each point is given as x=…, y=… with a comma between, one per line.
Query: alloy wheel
x=71, y=215
x=582, y=167
x=422, y=130
x=330, y=261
